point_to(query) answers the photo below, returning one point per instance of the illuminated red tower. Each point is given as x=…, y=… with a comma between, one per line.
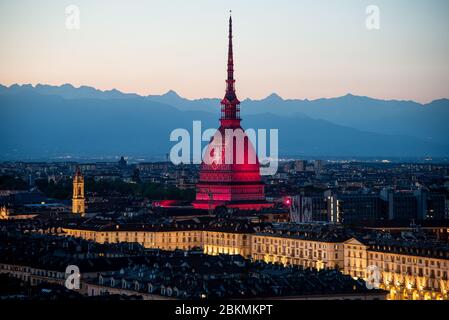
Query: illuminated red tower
x=230, y=176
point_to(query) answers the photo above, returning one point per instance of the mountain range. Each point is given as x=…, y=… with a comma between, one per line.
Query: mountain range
x=54, y=121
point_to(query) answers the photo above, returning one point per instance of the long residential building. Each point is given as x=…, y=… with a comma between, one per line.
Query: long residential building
x=409, y=270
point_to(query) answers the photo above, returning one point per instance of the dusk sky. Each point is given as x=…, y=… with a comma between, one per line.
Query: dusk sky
x=298, y=49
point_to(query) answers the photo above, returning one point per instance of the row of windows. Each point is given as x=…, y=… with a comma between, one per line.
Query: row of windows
x=408, y=260
x=294, y=243
x=32, y=271
x=222, y=235
x=281, y=250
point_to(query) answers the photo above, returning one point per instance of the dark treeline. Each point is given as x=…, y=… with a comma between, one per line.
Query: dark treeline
x=61, y=190
x=153, y=191
x=12, y=183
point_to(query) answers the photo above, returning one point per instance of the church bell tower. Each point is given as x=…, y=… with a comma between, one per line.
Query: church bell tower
x=78, y=200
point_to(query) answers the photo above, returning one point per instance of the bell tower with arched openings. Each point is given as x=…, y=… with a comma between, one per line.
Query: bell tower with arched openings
x=78, y=200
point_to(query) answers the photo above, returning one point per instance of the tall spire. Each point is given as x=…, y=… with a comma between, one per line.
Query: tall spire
x=230, y=109
x=223, y=183
x=230, y=88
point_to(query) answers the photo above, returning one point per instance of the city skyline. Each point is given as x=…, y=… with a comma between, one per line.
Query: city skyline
x=308, y=50
x=293, y=185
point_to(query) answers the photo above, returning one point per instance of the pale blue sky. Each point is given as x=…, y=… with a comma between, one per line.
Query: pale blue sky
x=296, y=48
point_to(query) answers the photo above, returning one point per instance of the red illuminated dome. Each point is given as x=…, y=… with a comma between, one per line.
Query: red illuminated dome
x=230, y=172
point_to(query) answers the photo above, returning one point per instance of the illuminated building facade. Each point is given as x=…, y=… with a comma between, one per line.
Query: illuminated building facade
x=295, y=251
x=4, y=213
x=78, y=200
x=230, y=172
x=211, y=240
x=216, y=242
x=8, y=214
x=406, y=272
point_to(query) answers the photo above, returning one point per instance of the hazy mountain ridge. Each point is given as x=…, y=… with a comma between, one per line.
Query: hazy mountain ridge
x=425, y=121
x=87, y=121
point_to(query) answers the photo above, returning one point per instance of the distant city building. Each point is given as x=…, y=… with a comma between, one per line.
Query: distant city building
x=358, y=208
x=318, y=166
x=436, y=206
x=122, y=163
x=300, y=165
x=308, y=209
x=333, y=209
x=414, y=205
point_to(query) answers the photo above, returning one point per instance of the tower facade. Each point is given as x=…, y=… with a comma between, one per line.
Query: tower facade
x=230, y=171
x=78, y=200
